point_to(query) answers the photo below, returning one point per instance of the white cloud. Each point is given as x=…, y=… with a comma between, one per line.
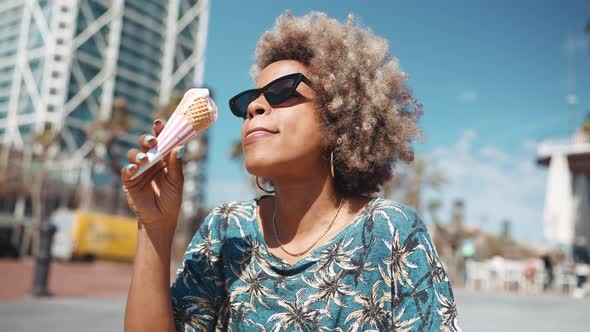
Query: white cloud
x=495, y=185
x=494, y=154
x=468, y=96
x=529, y=145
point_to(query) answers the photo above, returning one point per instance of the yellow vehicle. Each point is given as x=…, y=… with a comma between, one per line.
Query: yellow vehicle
x=93, y=235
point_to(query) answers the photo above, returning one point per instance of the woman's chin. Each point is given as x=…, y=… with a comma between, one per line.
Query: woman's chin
x=262, y=168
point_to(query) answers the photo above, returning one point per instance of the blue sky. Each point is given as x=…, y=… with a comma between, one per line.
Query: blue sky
x=493, y=78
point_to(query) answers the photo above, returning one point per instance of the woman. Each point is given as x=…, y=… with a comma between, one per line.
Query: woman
x=330, y=115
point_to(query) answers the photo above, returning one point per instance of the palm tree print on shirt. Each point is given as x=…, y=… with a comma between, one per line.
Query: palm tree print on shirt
x=254, y=286
x=337, y=255
x=330, y=286
x=297, y=314
x=380, y=273
x=204, y=250
x=373, y=312
x=232, y=212
x=399, y=263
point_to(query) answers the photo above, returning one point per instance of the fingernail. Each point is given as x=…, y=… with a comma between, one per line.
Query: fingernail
x=180, y=153
x=149, y=138
x=140, y=156
x=130, y=167
x=157, y=121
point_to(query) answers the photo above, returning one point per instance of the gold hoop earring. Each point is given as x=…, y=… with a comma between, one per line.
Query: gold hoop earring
x=260, y=187
x=332, y=164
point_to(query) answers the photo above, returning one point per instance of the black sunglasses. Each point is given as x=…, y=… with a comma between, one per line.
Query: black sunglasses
x=275, y=92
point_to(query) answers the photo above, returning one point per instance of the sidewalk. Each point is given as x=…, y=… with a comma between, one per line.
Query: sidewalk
x=99, y=279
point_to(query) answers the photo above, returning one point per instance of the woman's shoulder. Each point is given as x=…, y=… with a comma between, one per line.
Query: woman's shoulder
x=394, y=218
x=393, y=210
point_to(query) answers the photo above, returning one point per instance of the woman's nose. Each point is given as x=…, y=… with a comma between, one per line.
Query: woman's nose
x=258, y=107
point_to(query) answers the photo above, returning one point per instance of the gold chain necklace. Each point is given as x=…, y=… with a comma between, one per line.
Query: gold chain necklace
x=274, y=228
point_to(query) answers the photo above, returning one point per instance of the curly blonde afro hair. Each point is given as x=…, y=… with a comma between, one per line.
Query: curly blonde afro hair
x=367, y=112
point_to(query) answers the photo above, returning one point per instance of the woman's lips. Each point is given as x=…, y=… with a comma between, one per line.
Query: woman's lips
x=256, y=135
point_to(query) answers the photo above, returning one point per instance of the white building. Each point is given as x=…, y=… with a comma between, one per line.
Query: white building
x=567, y=204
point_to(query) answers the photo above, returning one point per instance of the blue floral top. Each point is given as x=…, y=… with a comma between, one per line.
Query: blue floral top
x=380, y=273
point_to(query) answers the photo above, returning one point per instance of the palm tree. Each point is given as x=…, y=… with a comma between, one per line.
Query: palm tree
x=45, y=142
x=166, y=110
x=103, y=134
x=411, y=181
x=449, y=238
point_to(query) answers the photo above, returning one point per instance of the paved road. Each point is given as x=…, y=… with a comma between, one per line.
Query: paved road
x=62, y=315
x=505, y=312
x=478, y=313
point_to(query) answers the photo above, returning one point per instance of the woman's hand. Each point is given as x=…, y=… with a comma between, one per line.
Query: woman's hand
x=155, y=196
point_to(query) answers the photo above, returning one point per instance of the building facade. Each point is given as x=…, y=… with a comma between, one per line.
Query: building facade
x=66, y=62
x=567, y=204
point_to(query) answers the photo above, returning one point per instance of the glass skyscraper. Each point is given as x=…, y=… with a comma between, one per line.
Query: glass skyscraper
x=65, y=62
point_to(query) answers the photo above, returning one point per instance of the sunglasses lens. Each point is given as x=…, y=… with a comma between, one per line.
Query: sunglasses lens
x=275, y=93
x=240, y=105
x=280, y=91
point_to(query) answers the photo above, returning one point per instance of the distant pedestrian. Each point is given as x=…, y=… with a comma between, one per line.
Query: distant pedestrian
x=581, y=258
x=549, y=275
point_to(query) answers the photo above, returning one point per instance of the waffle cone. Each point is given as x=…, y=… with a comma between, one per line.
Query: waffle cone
x=199, y=113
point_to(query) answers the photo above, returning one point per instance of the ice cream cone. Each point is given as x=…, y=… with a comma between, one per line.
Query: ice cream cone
x=195, y=113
